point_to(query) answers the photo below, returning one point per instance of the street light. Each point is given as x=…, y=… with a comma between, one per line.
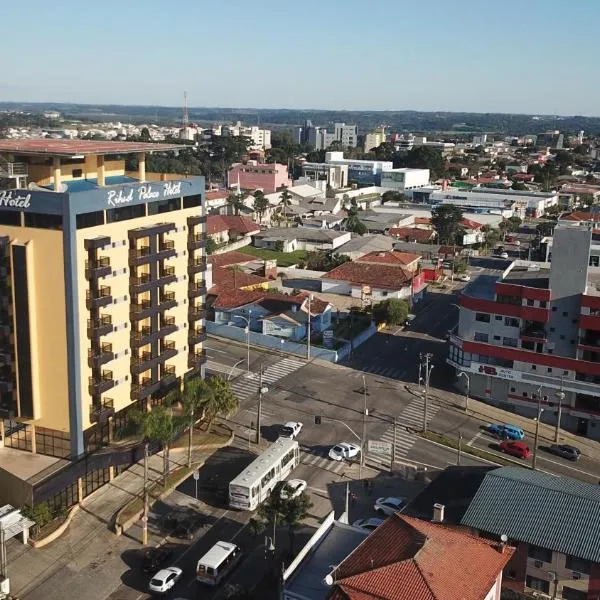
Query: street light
x=561, y=396
x=364, y=430
x=247, y=330
x=540, y=410
x=463, y=374
x=233, y=369
x=428, y=368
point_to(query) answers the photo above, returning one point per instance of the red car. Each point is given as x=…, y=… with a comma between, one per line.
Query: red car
x=518, y=449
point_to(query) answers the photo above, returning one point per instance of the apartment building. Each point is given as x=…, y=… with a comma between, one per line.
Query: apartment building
x=101, y=303
x=252, y=175
x=529, y=338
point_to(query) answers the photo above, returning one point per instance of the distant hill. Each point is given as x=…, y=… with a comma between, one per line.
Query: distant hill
x=449, y=123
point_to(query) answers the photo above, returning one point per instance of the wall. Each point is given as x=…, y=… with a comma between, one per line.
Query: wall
x=44, y=174
x=258, y=339
x=157, y=176
x=245, y=241
x=14, y=490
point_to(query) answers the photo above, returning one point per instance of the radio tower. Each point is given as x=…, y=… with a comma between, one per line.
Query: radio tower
x=185, y=110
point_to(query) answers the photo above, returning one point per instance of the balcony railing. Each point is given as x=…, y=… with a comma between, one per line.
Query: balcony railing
x=100, y=326
x=101, y=297
x=166, y=245
x=196, y=240
x=104, y=383
x=197, y=288
x=197, y=312
x=197, y=358
x=167, y=272
x=100, y=413
x=533, y=331
x=197, y=265
x=168, y=345
x=98, y=268
x=141, y=279
x=168, y=370
x=197, y=335
x=101, y=356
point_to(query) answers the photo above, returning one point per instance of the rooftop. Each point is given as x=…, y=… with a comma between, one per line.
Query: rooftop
x=74, y=148
x=379, y=276
x=237, y=224
x=392, y=258
x=557, y=513
x=230, y=258
x=366, y=243
x=225, y=278
x=530, y=276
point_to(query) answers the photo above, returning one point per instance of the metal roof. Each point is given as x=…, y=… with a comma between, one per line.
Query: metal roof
x=71, y=148
x=557, y=513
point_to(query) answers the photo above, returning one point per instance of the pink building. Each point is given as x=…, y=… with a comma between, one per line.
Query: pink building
x=252, y=175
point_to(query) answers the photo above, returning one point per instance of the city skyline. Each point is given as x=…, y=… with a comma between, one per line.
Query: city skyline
x=528, y=59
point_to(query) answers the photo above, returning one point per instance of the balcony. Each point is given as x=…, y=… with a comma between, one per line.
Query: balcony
x=97, y=242
x=12, y=169
x=144, y=388
x=101, y=385
x=98, y=327
x=168, y=371
x=100, y=413
x=196, y=312
x=97, y=268
x=99, y=298
x=197, y=288
x=533, y=332
x=141, y=309
x=197, y=358
x=167, y=326
x=196, y=220
x=166, y=249
x=167, y=300
x=104, y=354
x=196, y=240
x=197, y=265
x=197, y=335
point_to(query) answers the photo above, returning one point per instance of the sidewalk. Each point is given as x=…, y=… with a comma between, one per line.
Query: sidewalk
x=491, y=414
x=69, y=567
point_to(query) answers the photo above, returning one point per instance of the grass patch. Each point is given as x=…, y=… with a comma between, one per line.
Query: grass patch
x=349, y=328
x=217, y=435
x=284, y=259
x=453, y=443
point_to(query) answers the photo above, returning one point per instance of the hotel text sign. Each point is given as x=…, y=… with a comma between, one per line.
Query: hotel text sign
x=15, y=199
x=144, y=193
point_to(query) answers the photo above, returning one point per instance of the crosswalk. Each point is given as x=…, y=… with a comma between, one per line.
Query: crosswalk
x=245, y=386
x=411, y=416
x=375, y=369
x=319, y=459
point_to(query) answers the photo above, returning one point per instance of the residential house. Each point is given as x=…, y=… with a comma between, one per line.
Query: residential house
x=234, y=257
x=383, y=222
x=223, y=229
x=554, y=522
x=270, y=313
x=324, y=221
x=413, y=234
x=301, y=238
x=405, y=260
x=403, y=559
x=216, y=201
x=360, y=245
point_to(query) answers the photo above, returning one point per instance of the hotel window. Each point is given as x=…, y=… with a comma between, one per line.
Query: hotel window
x=192, y=201
x=482, y=317
x=511, y=342
x=541, y=585
x=10, y=218
x=124, y=213
x=511, y=322
x=41, y=221
x=163, y=206
x=480, y=337
x=530, y=302
x=578, y=564
x=90, y=220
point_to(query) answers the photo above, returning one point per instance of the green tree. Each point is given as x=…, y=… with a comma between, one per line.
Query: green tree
x=393, y=311
x=286, y=201
x=423, y=157
x=211, y=245
x=279, y=246
x=519, y=186
x=546, y=228
x=221, y=403
x=352, y=221
x=392, y=196
x=260, y=204
x=324, y=261
x=236, y=201
x=446, y=220
x=145, y=135
x=196, y=394
x=278, y=510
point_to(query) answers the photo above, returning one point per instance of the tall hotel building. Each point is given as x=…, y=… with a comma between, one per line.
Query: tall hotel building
x=529, y=338
x=101, y=307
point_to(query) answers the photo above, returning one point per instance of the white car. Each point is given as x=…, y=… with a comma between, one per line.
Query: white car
x=464, y=277
x=368, y=524
x=503, y=254
x=344, y=451
x=292, y=489
x=291, y=430
x=165, y=580
x=390, y=505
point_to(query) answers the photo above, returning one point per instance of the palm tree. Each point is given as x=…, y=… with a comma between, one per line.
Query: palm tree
x=195, y=393
x=286, y=200
x=260, y=204
x=221, y=403
x=236, y=201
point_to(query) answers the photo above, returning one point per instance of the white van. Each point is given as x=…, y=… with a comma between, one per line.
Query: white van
x=217, y=563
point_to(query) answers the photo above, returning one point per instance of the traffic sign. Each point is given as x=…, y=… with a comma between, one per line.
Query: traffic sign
x=379, y=447
x=196, y=475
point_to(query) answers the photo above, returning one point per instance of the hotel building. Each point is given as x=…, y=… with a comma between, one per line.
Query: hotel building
x=533, y=334
x=101, y=306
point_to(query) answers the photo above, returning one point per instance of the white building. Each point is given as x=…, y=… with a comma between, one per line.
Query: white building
x=346, y=134
x=480, y=140
x=363, y=171
x=336, y=176
x=374, y=139
x=404, y=179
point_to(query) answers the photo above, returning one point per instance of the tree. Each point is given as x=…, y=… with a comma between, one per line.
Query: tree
x=145, y=135
x=422, y=157
x=518, y=185
x=236, y=201
x=221, y=403
x=546, y=228
x=393, y=311
x=446, y=220
x=323, y=261
x=260, y=204
x=286, y=200
x=277, y=510
x=211, y=245
x=196, y=393
x=352, y=221
x=392, y=196
x=157, y=425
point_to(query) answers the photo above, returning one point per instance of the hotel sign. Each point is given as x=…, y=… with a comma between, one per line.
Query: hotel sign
x=144, y=193
x=15, y=199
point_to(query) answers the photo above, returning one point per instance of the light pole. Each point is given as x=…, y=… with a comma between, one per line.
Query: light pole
x=561, y=396
x=428, y=368
x=467, y=393
x=364, y=430
x=233, y=368
x=247, y=330
x=261, y=390
x=540, y=410
x=308, y=329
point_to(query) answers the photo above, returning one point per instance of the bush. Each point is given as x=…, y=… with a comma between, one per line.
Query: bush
x=393, y=311
x=40, y=513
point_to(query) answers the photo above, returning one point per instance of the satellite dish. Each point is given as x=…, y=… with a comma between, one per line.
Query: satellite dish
x=504, y=538
x=329, y=579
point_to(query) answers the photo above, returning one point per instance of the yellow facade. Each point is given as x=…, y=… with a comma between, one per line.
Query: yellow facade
x=43, y=174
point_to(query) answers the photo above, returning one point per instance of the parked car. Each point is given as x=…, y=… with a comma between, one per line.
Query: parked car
x=505, y=431
x=566, y=451
x=187, y=528
x=154, y=558
x=292, y=488
x=291, y=429
x=389, y=505
x=464, y=277
x=518, y=449
x=368, y=524
x=344, y=451
x=504, y=255
x=165, y=580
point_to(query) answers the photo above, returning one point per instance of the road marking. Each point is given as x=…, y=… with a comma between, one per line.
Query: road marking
x=216, y=350
x=566, y=466
x=318, y=490
x=472, y=440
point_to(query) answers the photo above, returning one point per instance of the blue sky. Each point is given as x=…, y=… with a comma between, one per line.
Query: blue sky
x=532, y=56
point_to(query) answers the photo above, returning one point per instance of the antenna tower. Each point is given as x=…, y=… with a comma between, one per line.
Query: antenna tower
x=185, y=110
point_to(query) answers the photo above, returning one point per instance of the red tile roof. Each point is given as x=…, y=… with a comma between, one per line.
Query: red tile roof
x=215, y=195
x=422, y=221
x=410, y=559
x=412, y=233
x=580, y=215
x=230, y=258
x=236, y=224
x=232, y=279
x=390, y=258
x=379, y=276
x=52, y=147
x=234, y=298
x=473, y=225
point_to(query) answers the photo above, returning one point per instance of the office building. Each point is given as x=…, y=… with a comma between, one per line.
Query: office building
x=529, y=338
x=364, y=172
x=320, y=139
x=374, y=139
x=101, y=305
x=405, y=179
x=550, y=139
x=252, y=175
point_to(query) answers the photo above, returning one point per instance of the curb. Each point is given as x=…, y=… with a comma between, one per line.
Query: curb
x=57, y=532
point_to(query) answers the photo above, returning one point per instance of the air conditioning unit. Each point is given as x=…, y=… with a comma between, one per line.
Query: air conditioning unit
x=538, y=564
x=540, y=595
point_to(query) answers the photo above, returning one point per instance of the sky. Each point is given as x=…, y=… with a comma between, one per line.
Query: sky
x=511, y=56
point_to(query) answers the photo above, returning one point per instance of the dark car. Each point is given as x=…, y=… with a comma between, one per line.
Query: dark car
x=154, y=558
x=187, y=529
x=566, y=451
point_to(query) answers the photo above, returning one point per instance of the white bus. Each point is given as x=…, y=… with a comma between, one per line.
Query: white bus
x=217, y=563
x=257, y=481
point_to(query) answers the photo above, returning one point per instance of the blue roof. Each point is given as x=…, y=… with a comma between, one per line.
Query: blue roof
x=557, y=513
x=85, y=185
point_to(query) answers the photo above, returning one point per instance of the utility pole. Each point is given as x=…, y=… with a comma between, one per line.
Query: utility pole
x=261, y=390
x=428, y=370
x=364, y=430
x=308, y=330
x=394, y=445
x=145, y=515
x=537, y=427
x=561, y=396
x=459, y=448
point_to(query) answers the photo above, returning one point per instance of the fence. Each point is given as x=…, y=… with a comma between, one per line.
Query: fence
x=244, y=241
